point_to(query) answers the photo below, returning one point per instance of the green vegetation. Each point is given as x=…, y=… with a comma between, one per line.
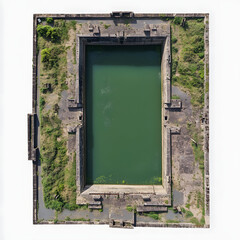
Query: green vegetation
x=49, y=33
x=58, y=167
x=200, y=199
x=74, y=54
x=207, y=87
x=187, y=205
x=157, y=180
x=197, y=145
x=58, y=33
x=175, y=97
x=42, y=103
x=196, y=222
x=130, y=208
x=188, y=58
x=76, y=219
x=188, y=214
x=49, y=20
x=153, y=215
x=177, y=20
x=174, y=39
x=183, y=210
x=106, y=26
x=50, y=56
x=202, y=220
x=172, y=221
x=72, y=24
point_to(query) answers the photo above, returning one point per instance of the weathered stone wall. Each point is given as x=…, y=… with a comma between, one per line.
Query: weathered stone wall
x=167, y=103
x=206, y=120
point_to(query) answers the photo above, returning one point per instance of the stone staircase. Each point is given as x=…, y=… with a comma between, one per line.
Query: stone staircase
x=95, y=202
x=151, y=205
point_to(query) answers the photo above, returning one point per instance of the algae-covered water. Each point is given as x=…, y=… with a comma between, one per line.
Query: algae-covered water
x=124, y=139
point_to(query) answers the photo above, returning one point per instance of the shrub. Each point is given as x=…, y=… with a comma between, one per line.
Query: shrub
x=50, y=56
x=174, y=39
x=189, y=214
x=50, y=33
x=42, y=103
x=183, y=210
x=187, y=205
x=174, y=49
x=177, y=20
x=73, y=24
x=195, y=221
x=202, y=220
x=49, y=20
x=129, y=208
x=152, y=215
x=106, y=26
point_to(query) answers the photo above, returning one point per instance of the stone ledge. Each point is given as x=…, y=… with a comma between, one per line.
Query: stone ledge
x=32, y=149
x=175, y=104
x=72, y=104
x=151, y=209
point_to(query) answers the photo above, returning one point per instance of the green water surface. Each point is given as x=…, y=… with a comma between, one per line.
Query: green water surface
x=123, y=99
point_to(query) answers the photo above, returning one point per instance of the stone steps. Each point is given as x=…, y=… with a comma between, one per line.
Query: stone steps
x=120, y=224
x=94, y=206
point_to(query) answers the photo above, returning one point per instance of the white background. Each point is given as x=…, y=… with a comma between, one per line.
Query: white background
x=16, y=101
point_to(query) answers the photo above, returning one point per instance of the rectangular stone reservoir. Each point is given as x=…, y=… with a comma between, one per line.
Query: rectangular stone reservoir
x=123, y=114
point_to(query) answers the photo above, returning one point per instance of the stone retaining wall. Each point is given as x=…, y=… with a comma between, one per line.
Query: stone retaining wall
x=32, y=148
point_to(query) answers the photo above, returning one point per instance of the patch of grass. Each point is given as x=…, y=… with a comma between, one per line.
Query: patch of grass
x=188, y=214
x=67, y=219
x=153, y=215
x=188, y=58
x=83, y=207
x=49, y=20
x=79, y=219
x=198, y=146
x=70, y=185
x=74, y=54
x=183, y=210
x=172, y=221
x=100, y=210
x=58, y=171
x=50, y=56
x=174, y=49
x=202, y=220
x=42, y=103
x=106, y=26
x=187, y=205
x=207, y=87
x=174, y=40
x=166, y=201
x=129, y=208
x=177, y=20
x=72, y=24
x=175, y=97
x=200, y=200
x=196, y=222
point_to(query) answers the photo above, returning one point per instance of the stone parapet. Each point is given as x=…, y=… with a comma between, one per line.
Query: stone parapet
x=32, y=144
